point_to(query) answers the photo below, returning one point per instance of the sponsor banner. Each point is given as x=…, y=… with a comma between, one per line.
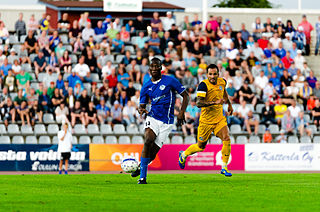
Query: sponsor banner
x=107, y=157
x=122, y=5
x=282, y=157
x=38, y=157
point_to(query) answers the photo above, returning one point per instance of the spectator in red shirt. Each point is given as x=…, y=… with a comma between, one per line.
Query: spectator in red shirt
x=307, y=28
x=287, y=60
x=263, y=41
x=112, y=78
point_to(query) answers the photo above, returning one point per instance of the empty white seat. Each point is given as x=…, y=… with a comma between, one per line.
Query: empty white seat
x=293, y=139
x=3, y=129
x=31, y=139
x=132, y=129
x=176, y=139
x=316, y=139
x=97, y=140
x=305, y=139
x=141, y=128
x=53, y=129
x=124, y=139
x=273, y=128
x=84, y=139
x=254, y=139
x=261, y=129
x=119, y=129
x=44, y=140
x=129, y=48
x=215, y=140
x=41, y=77
x=94, y=77
x=55, y=140
x=13, y=129
x=105, y=129
x=79, y=129
x=110, y=57
x=74, y=58
x=93, y=129
x=313, y=128
x=232, y=140
x=119, y=58
x=18, y=139
x=137, y=139
x=242, y=139
x=32, y=57
x=40, y=129
x=64, y=39
x=74, y=140
x=4, y=140
x=111, y=139
x=48, y=118
x=190, y=140
x=235, y=128
x=13, y=39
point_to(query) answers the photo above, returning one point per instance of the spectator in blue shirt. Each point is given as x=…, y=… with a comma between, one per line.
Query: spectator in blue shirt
x=99, y=31
x=5, y=68
x=154, y=43
x=103, y=111
x=118, y=44
x=107, y=22
x=280, y=51
x=123, y=78
x=60, y=83
x=275, y=82
x=45, y=102
x=54, y=40
x=317, y=26
x=73, y=78
x=192, y=116
x=141, y=40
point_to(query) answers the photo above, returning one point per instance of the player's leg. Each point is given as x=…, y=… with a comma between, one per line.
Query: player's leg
x=60, y=166
x=204, y=133
x=223, y=134
x=66, y=165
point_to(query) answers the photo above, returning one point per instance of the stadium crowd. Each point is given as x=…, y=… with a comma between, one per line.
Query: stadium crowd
x=93, y=74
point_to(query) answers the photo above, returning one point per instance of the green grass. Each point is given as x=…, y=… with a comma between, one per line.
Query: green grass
x=165, y=192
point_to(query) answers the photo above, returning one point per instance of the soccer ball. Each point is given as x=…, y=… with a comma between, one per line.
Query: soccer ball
x=129, y=164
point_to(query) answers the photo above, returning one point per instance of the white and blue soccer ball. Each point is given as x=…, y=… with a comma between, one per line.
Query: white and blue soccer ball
x=129, y=164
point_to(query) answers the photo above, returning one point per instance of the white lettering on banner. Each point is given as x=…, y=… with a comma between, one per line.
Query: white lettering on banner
x=117, y=157
x=37, y=166
x=282, y=157
x=12, y=156
x=122, y=5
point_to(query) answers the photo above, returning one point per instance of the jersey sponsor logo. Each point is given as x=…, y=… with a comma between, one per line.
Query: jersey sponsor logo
x=162, y=87
x=220, y=87
x=200, y=138
x=158, y=98
x=150, y=89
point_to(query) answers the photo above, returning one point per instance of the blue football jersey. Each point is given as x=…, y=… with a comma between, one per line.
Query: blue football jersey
x=163, y=96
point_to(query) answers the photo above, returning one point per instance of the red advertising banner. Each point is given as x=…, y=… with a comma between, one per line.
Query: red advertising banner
x=107, y=157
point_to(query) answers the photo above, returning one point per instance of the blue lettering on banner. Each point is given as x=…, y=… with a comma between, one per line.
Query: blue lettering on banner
x=268, y=156
x=37, y=157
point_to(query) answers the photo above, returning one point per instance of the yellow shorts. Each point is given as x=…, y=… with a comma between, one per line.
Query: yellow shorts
x=205, y=130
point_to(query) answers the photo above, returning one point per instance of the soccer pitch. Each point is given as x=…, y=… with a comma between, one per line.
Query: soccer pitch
x=165, y=192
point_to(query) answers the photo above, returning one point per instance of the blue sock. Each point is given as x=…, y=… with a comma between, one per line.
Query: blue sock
x=144, y=167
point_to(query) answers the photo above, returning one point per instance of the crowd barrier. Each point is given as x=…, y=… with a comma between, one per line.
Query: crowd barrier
x=107, y=157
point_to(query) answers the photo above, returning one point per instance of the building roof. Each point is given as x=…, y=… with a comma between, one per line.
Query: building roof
x=158, y=5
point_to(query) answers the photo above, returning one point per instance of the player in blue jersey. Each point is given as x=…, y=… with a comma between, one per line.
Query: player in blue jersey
x=161, y=92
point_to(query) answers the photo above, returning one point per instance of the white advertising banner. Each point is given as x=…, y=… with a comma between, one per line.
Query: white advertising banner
x=282, y=157
x=122, y=5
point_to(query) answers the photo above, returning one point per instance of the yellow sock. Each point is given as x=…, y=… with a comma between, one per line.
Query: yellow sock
x=226, y=149
x=192, y=149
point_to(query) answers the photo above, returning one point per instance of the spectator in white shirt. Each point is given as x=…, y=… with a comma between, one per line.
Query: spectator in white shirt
x=226, y=42
x=64, y=147
x=299, y=60
x=275, y=40
x=260, y=82
x=61, y=113
x=294, y=110
x=287, y=42
x=232, y=52
x=83, y=70
x=106, y=70
x=168, y=21
x=87, y=32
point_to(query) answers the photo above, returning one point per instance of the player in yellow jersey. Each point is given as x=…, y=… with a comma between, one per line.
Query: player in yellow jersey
x=211, y=95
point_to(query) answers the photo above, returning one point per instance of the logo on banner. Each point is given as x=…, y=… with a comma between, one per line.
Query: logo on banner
x=253, y=156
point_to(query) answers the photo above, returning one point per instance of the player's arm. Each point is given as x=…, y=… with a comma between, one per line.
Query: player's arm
x=181, y=117
x=143, y=101
x=227, y=101
x=201, y=97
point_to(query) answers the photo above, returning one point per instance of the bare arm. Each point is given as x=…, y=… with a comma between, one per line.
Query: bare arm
x=201, y=102
x=227, y=100
x=181, y=118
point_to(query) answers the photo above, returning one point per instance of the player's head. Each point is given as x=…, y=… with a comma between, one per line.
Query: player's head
x=155, y=67
x=213, y=73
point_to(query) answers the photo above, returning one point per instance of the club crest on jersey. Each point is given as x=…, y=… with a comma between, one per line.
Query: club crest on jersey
x=200, y=138
x=162, y=87
x=220, y=87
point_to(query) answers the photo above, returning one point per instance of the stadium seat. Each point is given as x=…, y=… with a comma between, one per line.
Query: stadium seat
x=32, y=56
x=74, y=58
x=111, y=139
x=242, y=139
x=26, y=130
x=124, y=139
x=97, y=140
x=23, y=38
x=110, y=57
x=215, y=140
x=26, y=67
x=177, y=139
x=313, y=128
x=141, y=128
x=35, y=85
x=93, y=129
x=44, y=140
x=160, y=57
x=3, y=129
x=41, y=77
x=74, y=140
x=64, y=39
x=31, y=139
x=293, y=139
x=250, y=106
x=53, y=129
x=119, y=58
x=68, y=48
x=84, y=139
x=254, y=139
x=305, y=140
x=13, y=39
x=119, y=129
x=105, y=129
x=17, y=48
x=55, y=140
x=262, y=129
x=5, y=140
x=17, y=139
x=137, y=139
x=40, y=129
x=13, y=129
x=80, y=129
x=232, y=140
x=235, y=128
x=307, y=117
x=190, y=139
x=137, y=86
x=316, y=139
x=274, y=129
x=134, y=39
x=48, y=118
x=132, y=129
x=94, y=77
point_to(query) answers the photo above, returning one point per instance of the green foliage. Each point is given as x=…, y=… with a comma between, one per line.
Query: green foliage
x=244, y=4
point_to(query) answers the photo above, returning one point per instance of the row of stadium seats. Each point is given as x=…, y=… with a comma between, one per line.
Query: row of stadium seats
x=111, y=139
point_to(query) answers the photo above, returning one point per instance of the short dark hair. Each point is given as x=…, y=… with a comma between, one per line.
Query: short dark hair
x=212, y=66
x=156, y=60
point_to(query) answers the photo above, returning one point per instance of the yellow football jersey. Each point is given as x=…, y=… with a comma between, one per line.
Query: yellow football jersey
x=211, y=92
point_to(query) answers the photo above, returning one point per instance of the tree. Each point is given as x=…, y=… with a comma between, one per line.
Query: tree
x=244, y=4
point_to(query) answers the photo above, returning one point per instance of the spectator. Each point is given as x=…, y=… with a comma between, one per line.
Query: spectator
x=45, y=102
x=65, y=62
x=130, y=28
x=53, y=64
x=287, y=43
x=91, y=114
x=124, y=35
x=192, y=118
x=116, y=113
x=316, y=90
x=316, y=113
x=139, y=23
x=12, y=57
x=155, y=22
x=4, y=33
x=154, y=43
x=268, y=114
x=141, y=40
x=299, y=38
x=305, y=70
x=287, y=60
x=33, y=25
x=20, y=27
x=112, y=79
x=307, y=28
x=280, y=109
x=23, y=112
x=23, y=80
x=87, y=32
x=302, y=124
x=282, y=138
x=294, y=110
x=39, y=63
x=257, y=28
x=280, y=51
x=130, y=90
x=82, y=70
x=84, y=20
x=31, y=43
x=260, y=82
x=304, y=93
x=241, y=113
x=91, y=61
x=70, y=98
x=112, y=32
x=103, y=112
x=251, y=120
x=129, y=113
x=287, y=123
x=289, y=28
x=118, y=44
x=62, y=113
x=267, y=137
x=5, y=68
x=317, y=26
x=8, y=112
x=64, y=24
x=43, y=41
x=246, y=94
x=45, y=23
x=9, y=81
x=168, y=21
x=134, y=72
x=106, y=69
x=77, y=114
